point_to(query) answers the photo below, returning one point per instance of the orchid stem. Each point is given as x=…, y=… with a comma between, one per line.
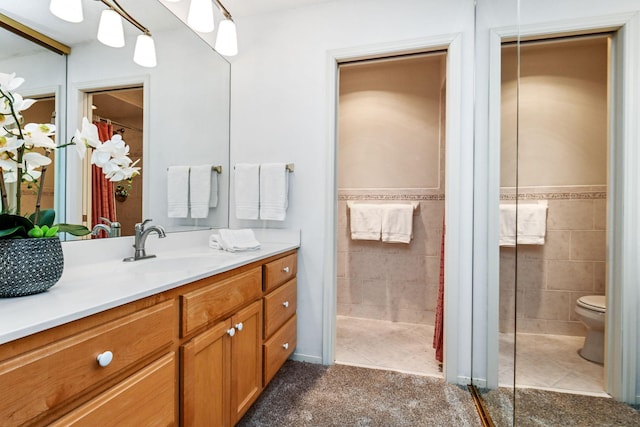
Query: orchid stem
x=3, y=193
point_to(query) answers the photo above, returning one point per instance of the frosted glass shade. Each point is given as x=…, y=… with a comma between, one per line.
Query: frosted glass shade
x=200, y=16
x=110, y=31
x=227, y=39
x=68, y=10
x=145, y=51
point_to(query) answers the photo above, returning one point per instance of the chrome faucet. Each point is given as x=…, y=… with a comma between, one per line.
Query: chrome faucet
x=141, y=237
x=112, y=228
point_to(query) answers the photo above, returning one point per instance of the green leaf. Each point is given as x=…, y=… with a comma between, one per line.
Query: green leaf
x=46, y=217
x=52, y=232
x=76, y=230
x=14, y=226
x=36, y=232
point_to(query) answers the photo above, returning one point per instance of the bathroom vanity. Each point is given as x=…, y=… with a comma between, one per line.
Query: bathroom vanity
x=196, y=349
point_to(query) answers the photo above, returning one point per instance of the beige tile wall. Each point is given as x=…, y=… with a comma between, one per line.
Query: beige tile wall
x=392, y=281
x=551, y=277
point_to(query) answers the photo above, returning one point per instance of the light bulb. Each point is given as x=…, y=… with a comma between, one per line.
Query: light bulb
x=227, y=39
x=200, y=16
x=110, y=31
x=68, y=10
x=145, y=51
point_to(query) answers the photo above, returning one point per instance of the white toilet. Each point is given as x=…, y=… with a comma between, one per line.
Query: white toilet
x=591, y=309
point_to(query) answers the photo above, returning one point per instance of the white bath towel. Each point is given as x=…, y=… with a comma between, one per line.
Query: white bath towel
x=213, y=196
x=200, y=190
x=237, y=240
x=366, y=221
x=531, y=224
x=214, y=242
x=247, y=190
x=397, y=223
x=178, y=191
x=274, y=189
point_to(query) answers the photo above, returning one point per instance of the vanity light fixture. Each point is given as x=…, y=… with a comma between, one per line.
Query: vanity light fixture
x=200, y=18
x=67, y=10
x=110, y=31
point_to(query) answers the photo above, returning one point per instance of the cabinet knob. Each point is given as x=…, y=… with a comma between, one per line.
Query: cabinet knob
x=285, y=304
x=285, y=269
x=231, y=332
x=104, y=359
x=239, y=326
x=285, y=346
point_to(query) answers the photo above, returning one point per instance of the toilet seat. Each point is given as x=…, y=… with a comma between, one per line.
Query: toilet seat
x=593, y=302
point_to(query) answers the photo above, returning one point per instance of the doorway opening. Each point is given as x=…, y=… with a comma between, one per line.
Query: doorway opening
x=554, y=156
x=390, y=156
x=116, y=111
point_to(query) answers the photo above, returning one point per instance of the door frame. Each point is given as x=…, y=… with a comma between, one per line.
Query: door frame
x=623, y=206
x=457, y=272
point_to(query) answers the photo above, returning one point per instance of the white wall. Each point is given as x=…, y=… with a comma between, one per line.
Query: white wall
x=281, y=111
x=186, y=114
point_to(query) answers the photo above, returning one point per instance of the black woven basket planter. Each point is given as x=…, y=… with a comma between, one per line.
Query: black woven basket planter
x=29, y=266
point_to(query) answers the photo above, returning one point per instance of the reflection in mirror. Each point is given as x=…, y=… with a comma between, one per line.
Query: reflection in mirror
x=185, y=108
x=44, y=73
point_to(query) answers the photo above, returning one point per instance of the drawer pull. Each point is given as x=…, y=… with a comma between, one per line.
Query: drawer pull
x=285, y=304
x=286, y=269
x=285, y=346
x=104, y=359
x=239, y=326
x=231, y=332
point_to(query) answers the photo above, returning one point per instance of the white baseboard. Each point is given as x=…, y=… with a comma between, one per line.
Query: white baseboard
x=298, y=357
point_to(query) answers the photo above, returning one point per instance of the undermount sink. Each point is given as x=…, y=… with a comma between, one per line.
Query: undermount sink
x=163, y=263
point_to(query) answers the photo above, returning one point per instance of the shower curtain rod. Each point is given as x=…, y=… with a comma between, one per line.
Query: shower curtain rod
x=114, y=122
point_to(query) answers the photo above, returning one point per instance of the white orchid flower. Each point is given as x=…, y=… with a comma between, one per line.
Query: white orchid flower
x=37, y=135
x=7, y=163
x=20, y=104
x=10, y=176
x=34, y=160
x=30, y=174
x=100, y=158
x=9, y=82
x=87, y=137
x=116, y=147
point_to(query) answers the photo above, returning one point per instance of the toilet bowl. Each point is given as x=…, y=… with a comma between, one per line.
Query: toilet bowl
x=592, y=309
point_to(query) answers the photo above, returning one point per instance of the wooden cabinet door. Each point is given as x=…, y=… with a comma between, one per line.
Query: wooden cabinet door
x=205, y=378
x=246, y=359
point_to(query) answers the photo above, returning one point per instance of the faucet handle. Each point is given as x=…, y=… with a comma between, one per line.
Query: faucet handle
x=140, y=225
x=105, y=220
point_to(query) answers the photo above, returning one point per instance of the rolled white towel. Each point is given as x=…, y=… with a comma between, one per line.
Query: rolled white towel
x=214, y=242
x=238, y=240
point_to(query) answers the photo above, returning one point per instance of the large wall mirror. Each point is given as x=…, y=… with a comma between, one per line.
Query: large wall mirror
x=176, y=113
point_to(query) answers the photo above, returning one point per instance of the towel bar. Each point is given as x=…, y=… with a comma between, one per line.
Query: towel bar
x=218, y=168
x=289, y=166
x=412, y=203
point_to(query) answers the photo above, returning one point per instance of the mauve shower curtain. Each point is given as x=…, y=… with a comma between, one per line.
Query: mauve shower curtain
x=438, y=332
x=102, y=196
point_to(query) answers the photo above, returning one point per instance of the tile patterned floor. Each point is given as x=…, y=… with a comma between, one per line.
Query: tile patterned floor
x=403, y=347
x=543, y=361
x=549, y=362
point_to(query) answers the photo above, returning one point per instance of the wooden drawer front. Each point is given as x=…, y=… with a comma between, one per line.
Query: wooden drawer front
x=213, y=302
x=279, y=305
x=279, y=271
x=147, y=398
x=278, y=348
x=45, y=378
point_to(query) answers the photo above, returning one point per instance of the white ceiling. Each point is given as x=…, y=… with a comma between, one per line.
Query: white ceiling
x=239, y=8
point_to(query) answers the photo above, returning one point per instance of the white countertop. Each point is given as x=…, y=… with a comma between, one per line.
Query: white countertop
x=96, y=279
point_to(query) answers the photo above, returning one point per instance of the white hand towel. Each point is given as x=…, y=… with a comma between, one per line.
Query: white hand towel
x=200, y=190
x=507, y=225
x=274, y=188
x=247, y=190
x=214, y=242
x=397, y=223
x=366, y=221
x=237, y=240
x=532, y=223
x=531, y=227
x=178, y=191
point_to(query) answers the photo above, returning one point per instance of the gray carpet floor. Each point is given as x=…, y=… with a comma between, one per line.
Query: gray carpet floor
x=305, y=395
x=542, y=408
